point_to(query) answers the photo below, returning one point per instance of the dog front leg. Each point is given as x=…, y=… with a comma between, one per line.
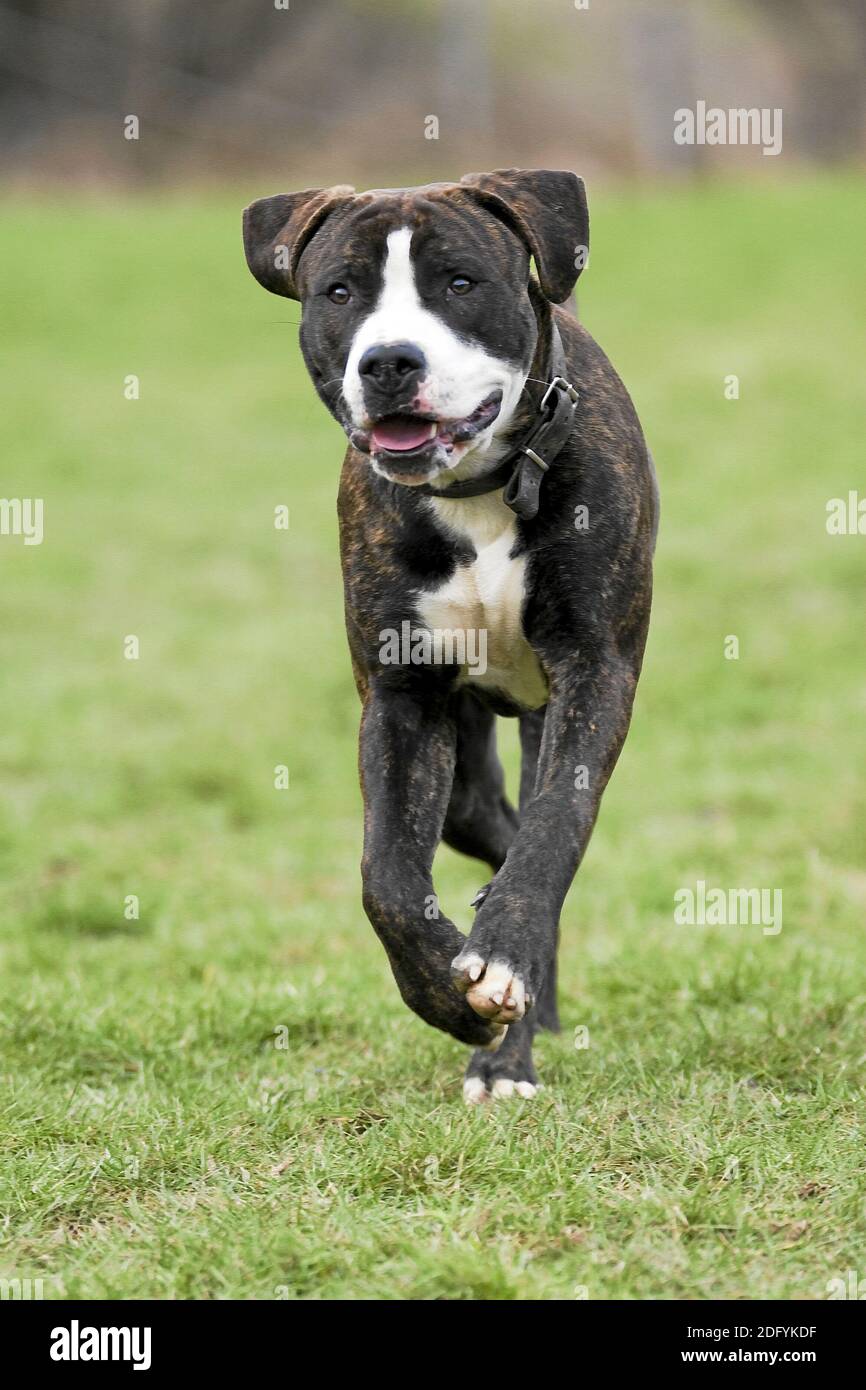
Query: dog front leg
x=407, y=752
x=512, y=946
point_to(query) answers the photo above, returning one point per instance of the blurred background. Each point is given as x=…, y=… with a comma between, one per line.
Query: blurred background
x=322, y=88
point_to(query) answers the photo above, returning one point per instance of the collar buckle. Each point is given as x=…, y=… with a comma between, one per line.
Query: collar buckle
x=520, y=472
x=559, y=383
x=536, y=458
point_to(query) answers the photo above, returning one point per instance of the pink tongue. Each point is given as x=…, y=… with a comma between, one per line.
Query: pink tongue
x=401, y=432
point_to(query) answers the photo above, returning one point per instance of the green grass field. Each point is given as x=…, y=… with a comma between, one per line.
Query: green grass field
x=225, y=1097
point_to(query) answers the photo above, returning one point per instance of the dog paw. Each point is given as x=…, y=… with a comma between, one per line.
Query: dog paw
x=504, y=1078
x=492, y=988
x=504, y=1089
x=476, y=1092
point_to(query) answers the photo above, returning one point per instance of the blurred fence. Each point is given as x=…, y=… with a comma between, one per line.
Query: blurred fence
x=371, y=90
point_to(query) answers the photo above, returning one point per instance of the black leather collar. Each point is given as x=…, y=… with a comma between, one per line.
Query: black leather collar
x=522, y=469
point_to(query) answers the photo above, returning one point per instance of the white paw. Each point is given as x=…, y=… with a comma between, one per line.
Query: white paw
x=504, y=1089
x=474, y=1091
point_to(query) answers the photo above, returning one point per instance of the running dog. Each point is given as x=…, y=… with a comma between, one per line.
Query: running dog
x=496, y=485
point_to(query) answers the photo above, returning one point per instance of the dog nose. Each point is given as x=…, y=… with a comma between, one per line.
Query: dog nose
x=392, y=363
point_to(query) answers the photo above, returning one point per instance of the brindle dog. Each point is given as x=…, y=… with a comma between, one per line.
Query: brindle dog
x=497, y=484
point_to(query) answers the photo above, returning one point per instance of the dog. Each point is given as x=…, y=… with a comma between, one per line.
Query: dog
x=496, y=482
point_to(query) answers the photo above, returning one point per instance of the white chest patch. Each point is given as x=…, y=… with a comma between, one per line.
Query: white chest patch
x=484, y=599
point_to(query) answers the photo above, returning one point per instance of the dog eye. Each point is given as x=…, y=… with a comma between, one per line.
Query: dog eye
x=461, y=284
x=338, y=294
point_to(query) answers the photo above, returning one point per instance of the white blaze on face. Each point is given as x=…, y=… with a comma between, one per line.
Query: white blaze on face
x=460, y=375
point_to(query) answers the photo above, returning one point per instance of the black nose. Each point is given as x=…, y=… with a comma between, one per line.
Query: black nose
x=391, y=363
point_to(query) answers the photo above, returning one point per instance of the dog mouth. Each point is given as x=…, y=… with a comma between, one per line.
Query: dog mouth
x=398, y=443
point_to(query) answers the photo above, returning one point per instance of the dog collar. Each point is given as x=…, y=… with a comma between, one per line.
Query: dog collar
x=522, y=469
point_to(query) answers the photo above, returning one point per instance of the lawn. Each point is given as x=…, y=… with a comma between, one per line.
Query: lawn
x=224, y=1096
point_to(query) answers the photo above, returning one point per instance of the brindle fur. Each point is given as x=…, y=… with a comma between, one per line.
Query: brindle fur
x=428, y=762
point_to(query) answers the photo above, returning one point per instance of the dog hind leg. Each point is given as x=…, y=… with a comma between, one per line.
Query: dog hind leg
x=480, y=820
x=506, y=1074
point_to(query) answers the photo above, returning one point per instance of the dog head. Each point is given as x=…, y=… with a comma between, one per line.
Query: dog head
x=418, y=327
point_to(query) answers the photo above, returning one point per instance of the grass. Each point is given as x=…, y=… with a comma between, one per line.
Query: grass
x=225, y=1097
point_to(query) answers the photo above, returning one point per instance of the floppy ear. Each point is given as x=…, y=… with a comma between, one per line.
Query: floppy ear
x=277, y=229
x=547, y=209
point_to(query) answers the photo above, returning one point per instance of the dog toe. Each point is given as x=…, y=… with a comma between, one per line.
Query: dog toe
x=474, y=1090
x=498, y=994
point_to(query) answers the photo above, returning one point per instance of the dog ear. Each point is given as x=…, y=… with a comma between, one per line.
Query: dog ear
x=547, y=209
x=277, y=229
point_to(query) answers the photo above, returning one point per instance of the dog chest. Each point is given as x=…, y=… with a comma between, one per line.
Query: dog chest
x=481, y=604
